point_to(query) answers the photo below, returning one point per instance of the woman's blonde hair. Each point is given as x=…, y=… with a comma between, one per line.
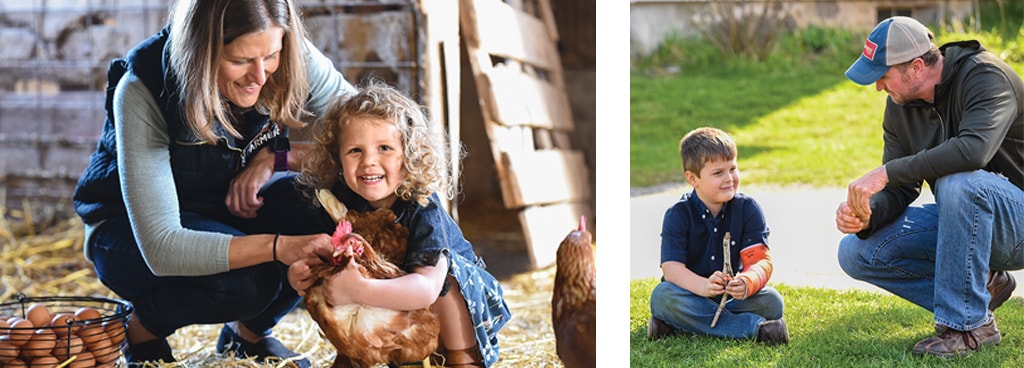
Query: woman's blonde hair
x=198, y=32
x=426, y=150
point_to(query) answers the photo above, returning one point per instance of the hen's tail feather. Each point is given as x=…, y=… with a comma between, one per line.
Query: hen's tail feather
x=334, y=207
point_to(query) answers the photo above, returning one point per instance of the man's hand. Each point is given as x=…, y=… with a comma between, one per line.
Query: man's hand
x=858, y=196
x=847, y=222
x=242, y=199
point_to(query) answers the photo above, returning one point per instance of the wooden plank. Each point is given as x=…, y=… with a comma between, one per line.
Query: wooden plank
x=546, y=226
x=520, y=99
x=544, y=177
x=547, y=16
x=507, y=32
x=440, y=56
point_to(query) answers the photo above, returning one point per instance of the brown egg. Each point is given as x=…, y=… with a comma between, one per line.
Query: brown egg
x=11, y=320
x=83, y=360
x=17, y=363
x=92, y=332
x=63, y=323
x=4, y=325
x=102, y=350
x=41, y=344
x=115, y=329
x=47, y=361
x=8, y=351
x=88, y=314
x=68, y=346
x=21, y=331
x=38, y=314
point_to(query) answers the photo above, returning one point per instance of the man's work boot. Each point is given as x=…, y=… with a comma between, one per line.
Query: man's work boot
x=951, y=343
x=1000, y=287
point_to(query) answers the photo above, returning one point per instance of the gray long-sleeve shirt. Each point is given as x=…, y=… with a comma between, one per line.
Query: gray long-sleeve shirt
x=148, y=185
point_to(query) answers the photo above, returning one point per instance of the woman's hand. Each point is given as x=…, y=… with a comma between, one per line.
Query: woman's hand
x=303, y=248
x=243, y=199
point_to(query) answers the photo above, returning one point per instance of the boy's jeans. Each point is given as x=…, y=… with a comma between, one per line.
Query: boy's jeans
x=938, y=256
x=741, y=319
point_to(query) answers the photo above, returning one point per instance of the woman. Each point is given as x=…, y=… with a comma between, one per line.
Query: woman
x=182, y=218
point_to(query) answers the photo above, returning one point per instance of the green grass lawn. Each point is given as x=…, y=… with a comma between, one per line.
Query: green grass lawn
x=796, y=118
x=827, y=328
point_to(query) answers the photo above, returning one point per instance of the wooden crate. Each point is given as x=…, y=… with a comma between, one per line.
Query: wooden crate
x=511, y=52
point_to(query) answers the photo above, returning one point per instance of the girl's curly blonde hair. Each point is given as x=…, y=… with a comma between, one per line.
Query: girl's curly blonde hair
x=426, y=150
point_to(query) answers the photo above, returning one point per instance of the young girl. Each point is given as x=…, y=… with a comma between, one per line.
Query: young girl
x=389, y=156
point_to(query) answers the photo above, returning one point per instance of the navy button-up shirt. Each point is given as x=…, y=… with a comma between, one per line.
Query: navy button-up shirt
x=692, y=236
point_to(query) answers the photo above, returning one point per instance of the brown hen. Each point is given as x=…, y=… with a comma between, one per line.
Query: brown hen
x=574, y=299
x=368, y=336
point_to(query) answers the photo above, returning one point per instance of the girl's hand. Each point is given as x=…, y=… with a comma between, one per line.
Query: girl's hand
x=343, y=287
x=300, y=277
x=737, y=288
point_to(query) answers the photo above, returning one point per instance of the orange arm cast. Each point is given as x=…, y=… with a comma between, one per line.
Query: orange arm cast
x=757, y=267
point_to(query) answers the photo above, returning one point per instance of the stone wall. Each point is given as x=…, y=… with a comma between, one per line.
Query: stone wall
x=652, y=21
x=52, y=73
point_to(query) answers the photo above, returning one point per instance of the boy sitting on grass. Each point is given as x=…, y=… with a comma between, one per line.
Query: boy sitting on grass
x=692, y=256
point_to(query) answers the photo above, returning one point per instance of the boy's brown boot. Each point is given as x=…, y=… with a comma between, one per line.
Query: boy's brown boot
x=950, y=343
x=657, y=329
x=773, y=332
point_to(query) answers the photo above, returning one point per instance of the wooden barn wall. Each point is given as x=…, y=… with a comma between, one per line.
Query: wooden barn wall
x=53, y=63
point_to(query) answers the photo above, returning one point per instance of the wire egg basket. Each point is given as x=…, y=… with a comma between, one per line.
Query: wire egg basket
x=80, y=332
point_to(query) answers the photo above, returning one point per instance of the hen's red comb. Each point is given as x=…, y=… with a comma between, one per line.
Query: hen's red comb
x=344, y=228
x=583, y=223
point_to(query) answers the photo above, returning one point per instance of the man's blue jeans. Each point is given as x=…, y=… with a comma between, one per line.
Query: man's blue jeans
x=938, y=255
x=741, y=319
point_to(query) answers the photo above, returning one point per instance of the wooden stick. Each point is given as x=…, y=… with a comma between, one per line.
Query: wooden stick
x=726, y=269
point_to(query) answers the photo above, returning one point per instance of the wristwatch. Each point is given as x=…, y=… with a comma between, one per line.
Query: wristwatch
x=281, y=146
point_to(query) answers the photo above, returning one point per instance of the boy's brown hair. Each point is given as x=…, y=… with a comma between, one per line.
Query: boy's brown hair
x=704, y=144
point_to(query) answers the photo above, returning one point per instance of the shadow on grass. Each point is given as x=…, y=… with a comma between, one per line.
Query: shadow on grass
x=662, y=110
x=834, y=328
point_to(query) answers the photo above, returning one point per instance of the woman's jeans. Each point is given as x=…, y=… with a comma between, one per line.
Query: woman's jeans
x=938, y=256
x=258, y=296
x=741, y=319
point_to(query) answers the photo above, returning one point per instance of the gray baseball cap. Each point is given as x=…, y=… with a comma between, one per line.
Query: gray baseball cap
x=895, y=40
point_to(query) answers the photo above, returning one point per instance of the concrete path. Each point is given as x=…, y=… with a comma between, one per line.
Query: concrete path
x=803, y=236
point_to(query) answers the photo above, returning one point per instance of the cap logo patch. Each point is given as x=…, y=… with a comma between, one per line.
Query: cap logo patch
x=869, y=49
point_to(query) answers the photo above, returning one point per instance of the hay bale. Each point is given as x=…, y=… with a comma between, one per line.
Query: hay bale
x=50, y=262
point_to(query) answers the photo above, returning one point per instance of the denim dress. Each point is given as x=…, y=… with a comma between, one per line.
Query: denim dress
x=432, y=233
